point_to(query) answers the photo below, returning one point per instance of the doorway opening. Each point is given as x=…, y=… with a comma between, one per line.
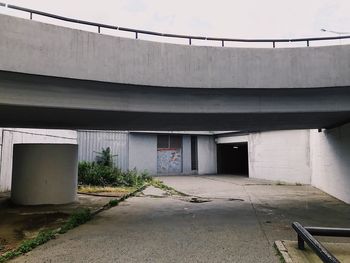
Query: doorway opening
x=232, y=158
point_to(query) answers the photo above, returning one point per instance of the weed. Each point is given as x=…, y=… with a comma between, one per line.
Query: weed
x=95, y=174
x=114, y=202
x=76, y=219
x=159, y=184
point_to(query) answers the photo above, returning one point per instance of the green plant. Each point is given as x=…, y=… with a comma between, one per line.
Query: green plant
x=105, y=157
x=76, y=219
x=93, y=173
x=113, y=202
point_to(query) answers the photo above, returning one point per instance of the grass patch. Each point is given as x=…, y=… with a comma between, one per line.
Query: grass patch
x=90, y=189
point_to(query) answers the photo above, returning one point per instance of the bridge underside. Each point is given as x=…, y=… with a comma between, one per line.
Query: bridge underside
x=50, y=102
x=40, y=117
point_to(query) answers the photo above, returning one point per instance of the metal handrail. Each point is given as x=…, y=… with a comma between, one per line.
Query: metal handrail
x=154, y=33
x=305, y=236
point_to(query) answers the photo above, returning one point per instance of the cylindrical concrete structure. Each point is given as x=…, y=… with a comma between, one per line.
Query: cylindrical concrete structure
x=44, y=174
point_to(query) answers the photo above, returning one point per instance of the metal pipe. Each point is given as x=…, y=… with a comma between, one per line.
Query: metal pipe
x=328, y=231
x=321, y=251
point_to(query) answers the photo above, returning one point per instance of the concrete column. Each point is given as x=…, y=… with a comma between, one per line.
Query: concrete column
x=44, y=174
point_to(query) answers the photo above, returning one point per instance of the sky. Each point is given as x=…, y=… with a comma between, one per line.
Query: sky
x=219, y=18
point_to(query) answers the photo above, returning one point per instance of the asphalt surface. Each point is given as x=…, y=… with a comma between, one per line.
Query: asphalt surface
x=240, y=223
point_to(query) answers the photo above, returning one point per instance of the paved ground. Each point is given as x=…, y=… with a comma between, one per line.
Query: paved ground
x=240, y=224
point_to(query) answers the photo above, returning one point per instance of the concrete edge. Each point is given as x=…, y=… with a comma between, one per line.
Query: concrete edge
x=282, y=250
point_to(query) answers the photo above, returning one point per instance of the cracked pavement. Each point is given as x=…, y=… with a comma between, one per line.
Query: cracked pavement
x=240, y=223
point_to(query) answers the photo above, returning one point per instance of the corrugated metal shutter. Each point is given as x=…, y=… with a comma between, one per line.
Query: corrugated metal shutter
x=92, y=142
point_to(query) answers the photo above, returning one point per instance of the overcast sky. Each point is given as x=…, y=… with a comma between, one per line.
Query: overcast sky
x=223, y=18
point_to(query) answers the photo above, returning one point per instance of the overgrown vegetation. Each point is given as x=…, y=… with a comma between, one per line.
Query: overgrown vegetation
x=104, y=173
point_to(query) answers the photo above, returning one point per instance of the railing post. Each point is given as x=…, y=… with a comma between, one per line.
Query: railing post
x=136, y=35
x=222, y=43
x=273, y=44
x=99, y=29
x=307, y=43
x=190, y=41
x=31, y=15
x=301, y=243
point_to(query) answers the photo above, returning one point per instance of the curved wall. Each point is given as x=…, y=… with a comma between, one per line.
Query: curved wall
x=44, y=174
x=37, y=48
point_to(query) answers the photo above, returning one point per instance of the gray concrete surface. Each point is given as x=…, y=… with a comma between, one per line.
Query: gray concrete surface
x=71, y=53
x=56, y=77
x=240, y=224
x=48, y=102
x=44, y=173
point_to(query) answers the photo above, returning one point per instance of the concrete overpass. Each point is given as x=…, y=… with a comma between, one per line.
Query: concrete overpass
x=57, y=77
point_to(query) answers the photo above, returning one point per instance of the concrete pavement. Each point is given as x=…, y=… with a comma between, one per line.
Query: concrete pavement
x=239, y=224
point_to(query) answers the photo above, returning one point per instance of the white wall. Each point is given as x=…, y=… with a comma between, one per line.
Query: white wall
x=331, y=161
x=10, y=136
x=143, y=152
x=206, y=155
x=277, y=155
x=280, y=155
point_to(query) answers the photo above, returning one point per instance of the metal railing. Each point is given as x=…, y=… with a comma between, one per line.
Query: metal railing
x=137, y=32
x=305, y=234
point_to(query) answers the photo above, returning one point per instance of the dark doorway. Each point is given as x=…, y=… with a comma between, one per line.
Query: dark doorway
x=233, y=158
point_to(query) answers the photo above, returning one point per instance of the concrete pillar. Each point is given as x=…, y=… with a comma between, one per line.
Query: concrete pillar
x=44, y=174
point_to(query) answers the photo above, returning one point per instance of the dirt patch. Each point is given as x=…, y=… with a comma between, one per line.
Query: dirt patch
x=19, y=223
x=14, y=228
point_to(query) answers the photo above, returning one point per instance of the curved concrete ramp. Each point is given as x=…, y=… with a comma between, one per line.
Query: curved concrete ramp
x=57, y=77
x=37, y=101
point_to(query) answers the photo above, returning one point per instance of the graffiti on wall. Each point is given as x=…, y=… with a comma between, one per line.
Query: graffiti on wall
x=169, y=161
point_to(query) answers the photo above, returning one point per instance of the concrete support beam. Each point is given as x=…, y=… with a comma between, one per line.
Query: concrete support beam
x=44, y=174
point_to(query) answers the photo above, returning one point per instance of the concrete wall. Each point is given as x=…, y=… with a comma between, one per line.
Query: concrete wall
x=9, y=137
x=277, y=155
x=63, y=52
x=143, y=152
x=280, y=155
x=207, y=163
x=92, y=142
x=330, y=151
x=186, y=154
